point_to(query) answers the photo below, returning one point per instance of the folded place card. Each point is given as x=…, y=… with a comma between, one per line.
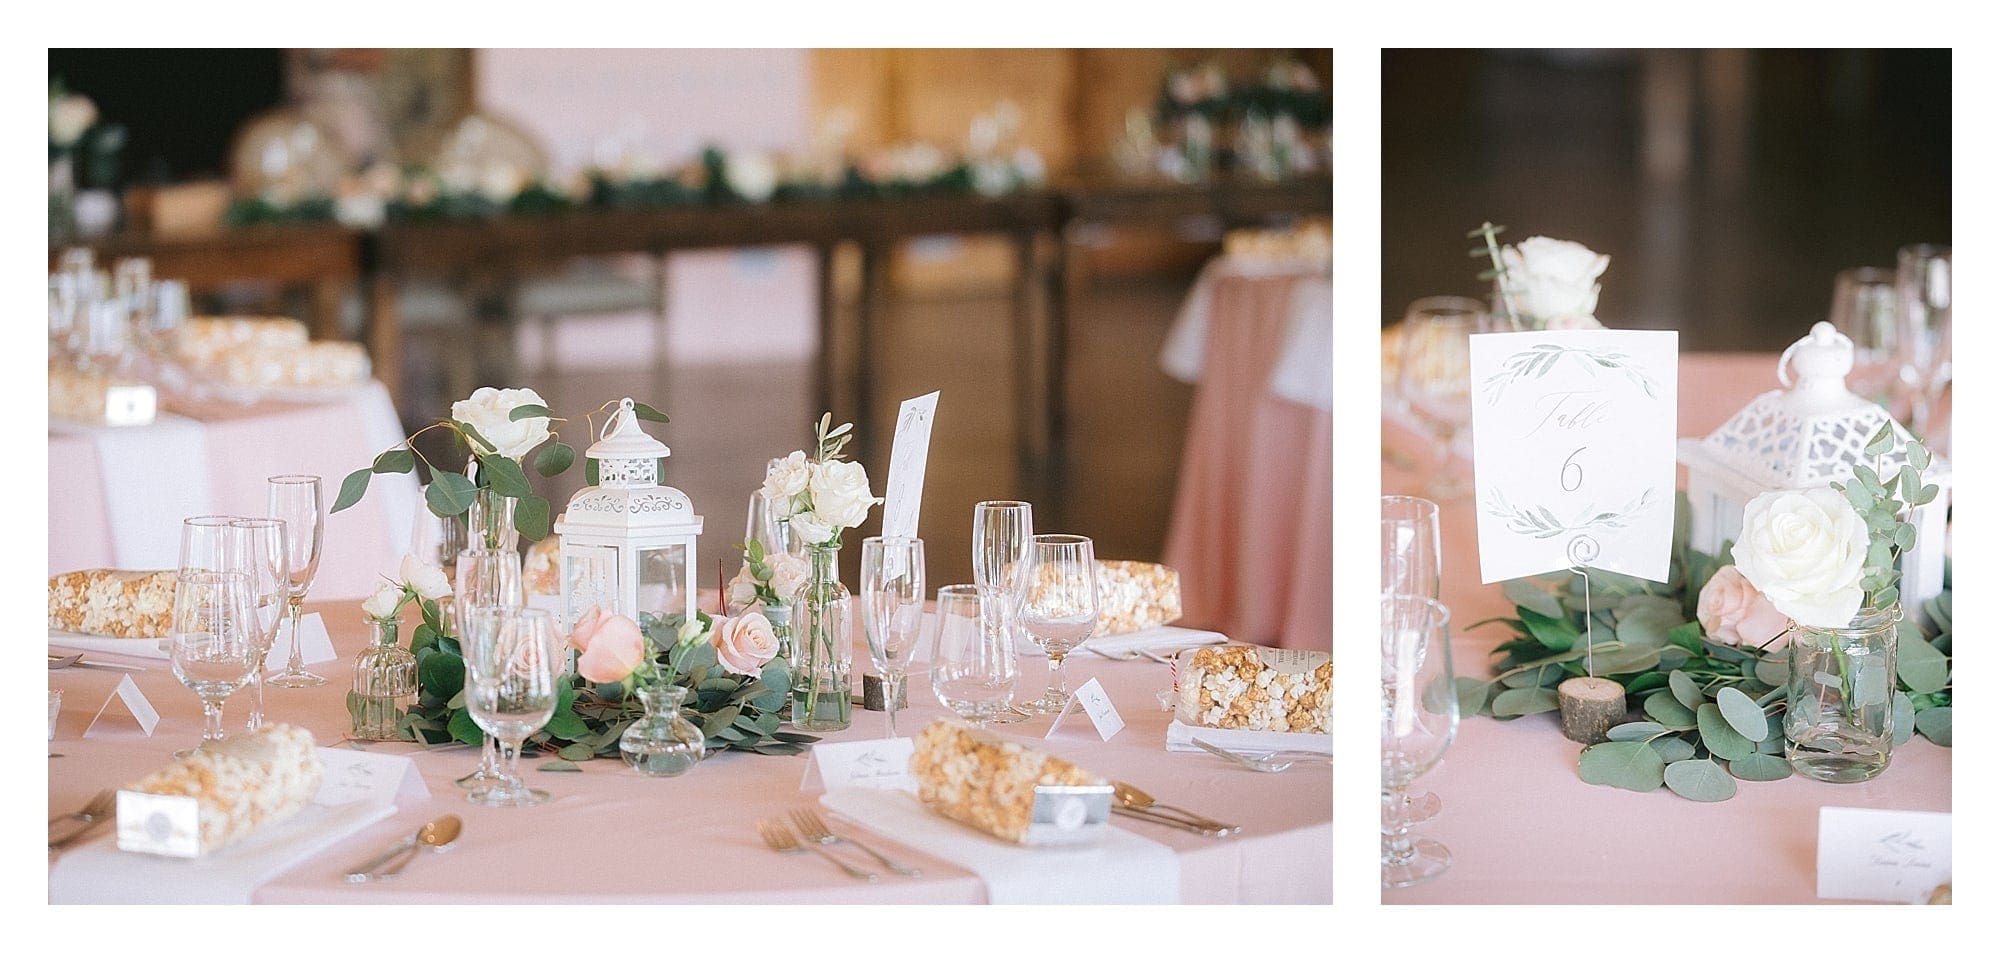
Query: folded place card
x=369, y=776
x=1096, y=703
x=126, y=711
x=903, y=500
x=883, y=763
x=314, y=644
x=1897, y=856
x=1573, y=451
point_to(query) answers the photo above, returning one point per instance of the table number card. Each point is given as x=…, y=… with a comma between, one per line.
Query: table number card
x=126, y=709
x=1573, y=451
x=1096, y=704
x=903, y=498
x=376, y=778
x=883, y=763
x=1897, y=856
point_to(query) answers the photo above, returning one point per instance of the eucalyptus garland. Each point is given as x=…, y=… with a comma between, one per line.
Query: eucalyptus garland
x=1712, y=713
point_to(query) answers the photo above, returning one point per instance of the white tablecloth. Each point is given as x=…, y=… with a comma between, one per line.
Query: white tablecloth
x=1301, y=374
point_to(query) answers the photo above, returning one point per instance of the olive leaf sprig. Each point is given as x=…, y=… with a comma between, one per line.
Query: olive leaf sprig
x=831, y=439
x=1491, y=249
x=1886, y=504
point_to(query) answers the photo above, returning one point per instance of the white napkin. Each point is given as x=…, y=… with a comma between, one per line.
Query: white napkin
x=1180, y=738
x=1122, y=868
x=1162, y=640
x=155, y=649
x=98, y=872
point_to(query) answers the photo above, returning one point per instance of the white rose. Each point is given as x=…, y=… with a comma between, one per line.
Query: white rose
x=487, y=409
x=810, y=529
x=788, y=575
x=691, y=630
x=751, y=175
x=1805, y=551
x=1553, y=283
x=429, y=581
x=840, y=493
x=785, y=479
x=383, y=604
x=743, y=588
x=69, y=118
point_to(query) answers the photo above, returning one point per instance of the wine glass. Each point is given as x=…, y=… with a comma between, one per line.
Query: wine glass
x=263, y=558
x=1864, y=309
x=1002, y=532
x=1435, y=377
x=295, y=499
x=513, y=667
x=1411, y=559
x=213, y=640
x=1058, y=607
x=973, y=670
x=1419, y=718
x=1923, y=290
x=892, y=610
x=486, y=579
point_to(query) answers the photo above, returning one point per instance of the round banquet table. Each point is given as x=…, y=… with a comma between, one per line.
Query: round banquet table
x=1524, y=828
x=117, y=495
x=609, y=836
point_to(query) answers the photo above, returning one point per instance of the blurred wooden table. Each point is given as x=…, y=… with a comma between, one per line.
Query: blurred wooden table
x=324, y=259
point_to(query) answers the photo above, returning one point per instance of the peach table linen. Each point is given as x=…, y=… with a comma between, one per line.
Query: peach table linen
x=1252, y=525
x=1524, y=829
x=231, y=451
x=610, y=836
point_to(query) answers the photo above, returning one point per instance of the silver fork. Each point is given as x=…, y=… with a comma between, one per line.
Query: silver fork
x=100, y=809
x=814, y=828
x=778, y=837
x=1265, y=763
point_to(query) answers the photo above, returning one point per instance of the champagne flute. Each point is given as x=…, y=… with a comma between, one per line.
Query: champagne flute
x=973, y=671
x=1435, y=379
x=513, y=668
x=1058, y=607
x=892, y=610
x=265, y=562
x=1923, y=288
x=1412, y=565
x=1419, y=719
x=1002, y=532
x=295, y=499
x=1864, y=309
x=486, y=579
x=213, y=640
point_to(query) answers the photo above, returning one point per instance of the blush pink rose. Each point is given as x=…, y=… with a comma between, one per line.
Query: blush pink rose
x=744, y=643
x=612, y=646
x=1733, y=612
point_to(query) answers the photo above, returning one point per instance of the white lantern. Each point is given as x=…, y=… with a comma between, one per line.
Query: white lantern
x=627, y=544
x=1811, y=434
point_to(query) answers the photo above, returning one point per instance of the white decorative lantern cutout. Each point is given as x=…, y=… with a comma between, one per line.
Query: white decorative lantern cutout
x=1811, y=434
x=628, y=544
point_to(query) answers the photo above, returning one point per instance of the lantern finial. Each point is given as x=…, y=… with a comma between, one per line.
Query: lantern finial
x=1822, y=358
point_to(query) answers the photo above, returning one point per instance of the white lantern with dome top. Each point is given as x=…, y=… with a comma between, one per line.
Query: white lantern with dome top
x=627, y=543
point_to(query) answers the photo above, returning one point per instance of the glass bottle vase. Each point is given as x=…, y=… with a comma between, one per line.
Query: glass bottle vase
x=821, y=698
x=662, y=743
x=490, y=522
x=385, y=684
x=1838, y=689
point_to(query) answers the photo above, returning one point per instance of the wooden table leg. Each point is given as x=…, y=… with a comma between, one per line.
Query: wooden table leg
x=1028, y=379
x=823, y=367
x=1056, y=353
x=861, y=367
x=384, y=331
x=327, y=296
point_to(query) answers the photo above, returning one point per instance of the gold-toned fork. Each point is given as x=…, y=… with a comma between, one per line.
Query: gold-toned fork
x=100, y=809
x=778, y=837
x=814, y=828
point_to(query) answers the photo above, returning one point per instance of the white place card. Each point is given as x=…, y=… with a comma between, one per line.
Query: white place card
x=903, y=499
x=376, y=778
x=882, y=764
x=314, y=643
x=1897, y=856
x=126, y=710
x=1096, y=703
x=1573, y=451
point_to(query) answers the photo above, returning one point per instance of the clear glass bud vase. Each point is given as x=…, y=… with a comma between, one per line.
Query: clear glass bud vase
x=385, y=684
x=1837, y=697
x=662, y=743
x=490, y=522
x=780, y=618
x=821, y=698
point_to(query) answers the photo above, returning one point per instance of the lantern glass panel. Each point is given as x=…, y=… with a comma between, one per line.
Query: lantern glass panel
x=592, y=579
x=663, y=580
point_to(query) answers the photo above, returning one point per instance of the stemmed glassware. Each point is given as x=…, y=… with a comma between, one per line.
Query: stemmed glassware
x=892, y=610
x=973, y=671
x=488, y=577
x=1435, y=377
x=213, y=640
x=1923, y=290
x=1864, y=309
x=1412, y=565
x=295, y=499
x=762, y=524
x=513, y=668
x=1002, y=536
x=1419, y=719
x=1058, y=607
x=437, y=540
x=265, y=562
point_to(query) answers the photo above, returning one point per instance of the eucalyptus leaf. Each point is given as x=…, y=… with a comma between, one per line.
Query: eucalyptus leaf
x=531, y=517
x=526, y=411
x=1472, y=695
x=1685, y=691
x=1726, y=742
x=449, y=494
x=1761, y=767
x=1667, y=710
x=1557, y=634
x=505, y=476
x=395, y=460
x=1935, y=724
x=1699, y=779
x=1527, y=595
x=1624, y=660
x=646, y=412
x=579, y=751
x=1919, y=665
x=1774, y=669
x=1902, y=718
x=1524, y=701
x=561, y=765
x=1635, y=731
x=553, y=459
x=1632, y=765
x=1673, y=748
x=351, y=489
x=1742, y=714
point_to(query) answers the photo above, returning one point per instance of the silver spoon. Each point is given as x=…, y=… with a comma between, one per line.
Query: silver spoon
x=437, y=835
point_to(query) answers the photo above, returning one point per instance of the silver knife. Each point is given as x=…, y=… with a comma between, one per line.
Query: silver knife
x=1206, y=830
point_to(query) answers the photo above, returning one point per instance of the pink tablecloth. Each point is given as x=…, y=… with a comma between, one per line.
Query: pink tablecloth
x=117, y=495
x=610, y=836
x=1252, y=525
x=1524, y=829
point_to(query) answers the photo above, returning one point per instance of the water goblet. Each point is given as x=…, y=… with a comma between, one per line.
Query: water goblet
x=485, y=579
x=513, y=671
x=1058, y=607
x=212, y=640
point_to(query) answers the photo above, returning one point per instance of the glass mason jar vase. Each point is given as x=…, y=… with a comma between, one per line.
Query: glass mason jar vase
x=662, y=743
x=821, y=698
x=385, y=684
x=1838, y=689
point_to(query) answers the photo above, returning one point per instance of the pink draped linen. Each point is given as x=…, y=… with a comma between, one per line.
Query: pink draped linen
x=609, y=836
x=1252, y=525
x=241, y=448
x=1525, y=829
